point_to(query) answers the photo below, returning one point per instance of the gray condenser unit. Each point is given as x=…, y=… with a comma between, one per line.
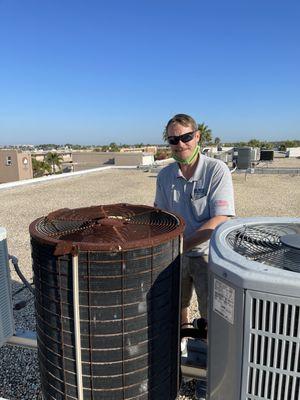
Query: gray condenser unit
x=6, y=309
x=107, y=287
x=244, y=157
x=254, y=312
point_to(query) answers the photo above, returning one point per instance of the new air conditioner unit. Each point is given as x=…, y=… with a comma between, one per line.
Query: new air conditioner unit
x=6, y=309
x=254, y=312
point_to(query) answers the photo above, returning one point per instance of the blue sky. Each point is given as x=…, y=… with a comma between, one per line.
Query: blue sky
x=95, y=72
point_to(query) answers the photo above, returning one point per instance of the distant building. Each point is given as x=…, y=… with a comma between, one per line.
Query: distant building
x=40, y=155
x=15, y=165
x=88, y=160
x=145, y=149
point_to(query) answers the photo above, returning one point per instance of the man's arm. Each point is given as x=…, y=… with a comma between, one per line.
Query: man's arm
x=221, y=203
x=204, y=233
x=160, y=196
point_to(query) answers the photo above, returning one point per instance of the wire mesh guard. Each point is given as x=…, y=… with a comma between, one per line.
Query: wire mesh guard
x=128, y=302
x=109, y=227
x=277, y=245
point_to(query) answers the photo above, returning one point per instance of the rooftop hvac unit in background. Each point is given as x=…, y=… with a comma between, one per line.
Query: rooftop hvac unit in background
x=266, y=155
x=255, y=154
x=244, y=157
x=254, y=314
x=107, y=284
x=6, y=309
x=234, y=152
x=222, y=156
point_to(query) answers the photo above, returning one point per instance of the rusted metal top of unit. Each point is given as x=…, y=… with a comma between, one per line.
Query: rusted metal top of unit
x=112, y=227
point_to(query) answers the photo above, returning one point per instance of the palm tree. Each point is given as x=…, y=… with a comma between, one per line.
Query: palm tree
x=54, y=160
x=254, y=143
x=266, y=145
x=114, y=147
x=40, y=168
x=205, y=134
x=165, y=135
x=217, y=141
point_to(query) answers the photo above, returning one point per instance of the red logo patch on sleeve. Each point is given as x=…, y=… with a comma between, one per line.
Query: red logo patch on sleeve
x=221, y=203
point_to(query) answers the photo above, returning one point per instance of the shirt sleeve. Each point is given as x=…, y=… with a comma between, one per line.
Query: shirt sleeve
x=221, y=200
x=160, y=195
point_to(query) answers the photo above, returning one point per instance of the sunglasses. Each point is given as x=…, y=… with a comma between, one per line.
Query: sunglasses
x=186, y=137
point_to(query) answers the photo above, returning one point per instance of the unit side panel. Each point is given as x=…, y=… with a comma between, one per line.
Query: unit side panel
x=226, y=310
x=271, y=366
x=6, y=314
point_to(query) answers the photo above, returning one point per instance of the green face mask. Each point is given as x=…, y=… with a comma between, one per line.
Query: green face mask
x=187, y=160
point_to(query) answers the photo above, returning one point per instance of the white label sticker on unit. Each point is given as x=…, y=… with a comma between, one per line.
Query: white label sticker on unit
x=223, y=302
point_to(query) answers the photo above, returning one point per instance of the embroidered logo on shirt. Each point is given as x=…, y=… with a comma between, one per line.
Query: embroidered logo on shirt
x=198, y=193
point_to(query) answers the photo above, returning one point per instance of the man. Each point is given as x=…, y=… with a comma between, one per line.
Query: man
x=198, y=188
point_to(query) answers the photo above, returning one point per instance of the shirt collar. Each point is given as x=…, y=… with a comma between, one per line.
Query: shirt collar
x=197, y=173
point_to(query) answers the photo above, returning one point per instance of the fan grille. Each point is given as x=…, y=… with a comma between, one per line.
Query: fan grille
x=262, y=243
x=107, y=227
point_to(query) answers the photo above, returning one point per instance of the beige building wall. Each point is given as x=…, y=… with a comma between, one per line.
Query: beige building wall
x=25, y=166
x=14, y=166
x=124, y=159
x=40, y=155
x=88, y=160
x=145, y=149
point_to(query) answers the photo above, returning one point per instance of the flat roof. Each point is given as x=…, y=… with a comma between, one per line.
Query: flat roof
x=257, y=195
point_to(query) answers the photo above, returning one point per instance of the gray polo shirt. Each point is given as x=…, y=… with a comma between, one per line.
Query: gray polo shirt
x=208, y=193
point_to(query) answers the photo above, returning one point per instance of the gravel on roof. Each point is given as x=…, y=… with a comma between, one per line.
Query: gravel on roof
x=255, y=195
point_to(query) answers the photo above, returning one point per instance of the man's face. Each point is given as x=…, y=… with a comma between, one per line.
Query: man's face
x=183, y=150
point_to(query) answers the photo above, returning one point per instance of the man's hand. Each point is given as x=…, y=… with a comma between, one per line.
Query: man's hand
x=204, y=233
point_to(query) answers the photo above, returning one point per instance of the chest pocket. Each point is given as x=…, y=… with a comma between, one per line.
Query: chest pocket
x=199, y=203
x=198, y=193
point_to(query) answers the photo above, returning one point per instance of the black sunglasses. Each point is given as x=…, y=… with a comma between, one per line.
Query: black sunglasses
x=186, y=137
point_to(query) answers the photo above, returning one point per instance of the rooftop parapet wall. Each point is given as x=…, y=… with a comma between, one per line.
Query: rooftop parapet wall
x=96, y=159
